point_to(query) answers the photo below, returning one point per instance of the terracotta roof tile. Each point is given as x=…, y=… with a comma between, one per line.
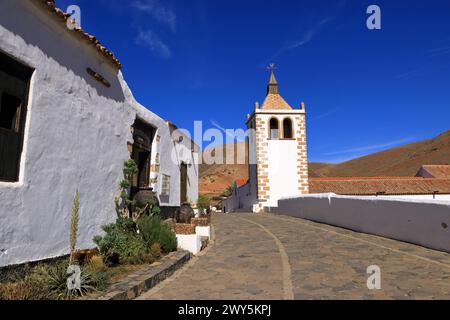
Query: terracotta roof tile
x=372, y=186
x=438, y=171
x=275, y=102
x=241, y=182
x=50, y=5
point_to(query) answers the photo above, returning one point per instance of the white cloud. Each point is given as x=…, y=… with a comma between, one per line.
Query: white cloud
x=373, y=147
x=326, y=115
x=304, y=39
x=158, y=11
x=152, y=41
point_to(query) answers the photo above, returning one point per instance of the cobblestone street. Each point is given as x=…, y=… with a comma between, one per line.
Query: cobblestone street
x=257, y=256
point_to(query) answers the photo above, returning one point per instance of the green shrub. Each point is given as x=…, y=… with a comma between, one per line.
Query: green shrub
x=154, y=231
x=122, y=240
x=167, y=239
x=149, y=229
x=123, y=202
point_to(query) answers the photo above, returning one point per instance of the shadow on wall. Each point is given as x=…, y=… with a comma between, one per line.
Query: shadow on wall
x=52, y=39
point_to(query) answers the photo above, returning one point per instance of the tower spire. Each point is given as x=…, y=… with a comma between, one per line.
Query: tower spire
x=272, y=87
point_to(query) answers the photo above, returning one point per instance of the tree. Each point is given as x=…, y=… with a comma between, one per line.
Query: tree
x=203, y=202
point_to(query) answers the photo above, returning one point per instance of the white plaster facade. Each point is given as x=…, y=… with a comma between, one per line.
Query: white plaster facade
x=76, y=137
x=186, y=151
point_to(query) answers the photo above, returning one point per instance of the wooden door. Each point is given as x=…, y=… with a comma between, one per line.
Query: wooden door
x=144, y=169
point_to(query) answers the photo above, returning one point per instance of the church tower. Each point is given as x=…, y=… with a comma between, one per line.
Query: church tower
x=277, y=149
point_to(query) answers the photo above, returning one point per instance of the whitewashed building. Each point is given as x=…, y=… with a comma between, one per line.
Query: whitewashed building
x=68, y=121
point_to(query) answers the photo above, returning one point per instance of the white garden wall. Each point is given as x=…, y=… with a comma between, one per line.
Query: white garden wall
x=242, y=198
x=423, y=222
x=430, y=197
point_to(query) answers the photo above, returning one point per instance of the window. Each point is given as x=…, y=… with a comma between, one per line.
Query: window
x=10, y=112
x=14, y=85
x=287, y=129
x=274, y=129
x=165, y=189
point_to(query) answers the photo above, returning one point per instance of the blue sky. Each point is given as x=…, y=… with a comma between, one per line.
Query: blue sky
x=364, y=90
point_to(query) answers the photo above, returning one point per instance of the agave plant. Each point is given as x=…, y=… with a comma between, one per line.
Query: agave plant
x=58, y=282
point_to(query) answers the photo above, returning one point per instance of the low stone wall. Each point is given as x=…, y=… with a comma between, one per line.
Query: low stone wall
x=426, y=223
x=201, y=222
x=143, y=280
x=191, y=237
x=183, y=228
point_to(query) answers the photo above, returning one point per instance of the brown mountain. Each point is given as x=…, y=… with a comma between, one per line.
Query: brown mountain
x=216, y=178
x=405, y=160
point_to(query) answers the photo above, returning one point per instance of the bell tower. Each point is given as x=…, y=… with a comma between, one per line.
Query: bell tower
x=277, y=149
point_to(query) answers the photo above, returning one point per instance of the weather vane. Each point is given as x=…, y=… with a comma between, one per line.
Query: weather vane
x=271, y=67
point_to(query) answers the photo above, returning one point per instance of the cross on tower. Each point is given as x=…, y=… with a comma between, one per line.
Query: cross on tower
x=273, y=84
x=272, y=67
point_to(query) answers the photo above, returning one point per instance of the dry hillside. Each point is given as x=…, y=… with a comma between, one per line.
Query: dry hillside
x=401, y=161
x=216, y=178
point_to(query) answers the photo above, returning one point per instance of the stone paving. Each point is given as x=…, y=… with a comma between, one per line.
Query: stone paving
x=256, y=256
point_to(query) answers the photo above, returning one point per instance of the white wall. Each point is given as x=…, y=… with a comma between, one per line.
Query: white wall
x=252, y=162
x=438, y=197
x=76, y=138
x=182, y=153
x=283, y=175
x=415, y=221
x=242, y=198
x=231, y=204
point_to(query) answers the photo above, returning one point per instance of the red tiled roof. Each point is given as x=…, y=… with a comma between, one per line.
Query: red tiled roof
x=241, y=182
x=366, y=178
x=377, y=185
x=50, y=5
x=275, y=102
x=437, y=171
